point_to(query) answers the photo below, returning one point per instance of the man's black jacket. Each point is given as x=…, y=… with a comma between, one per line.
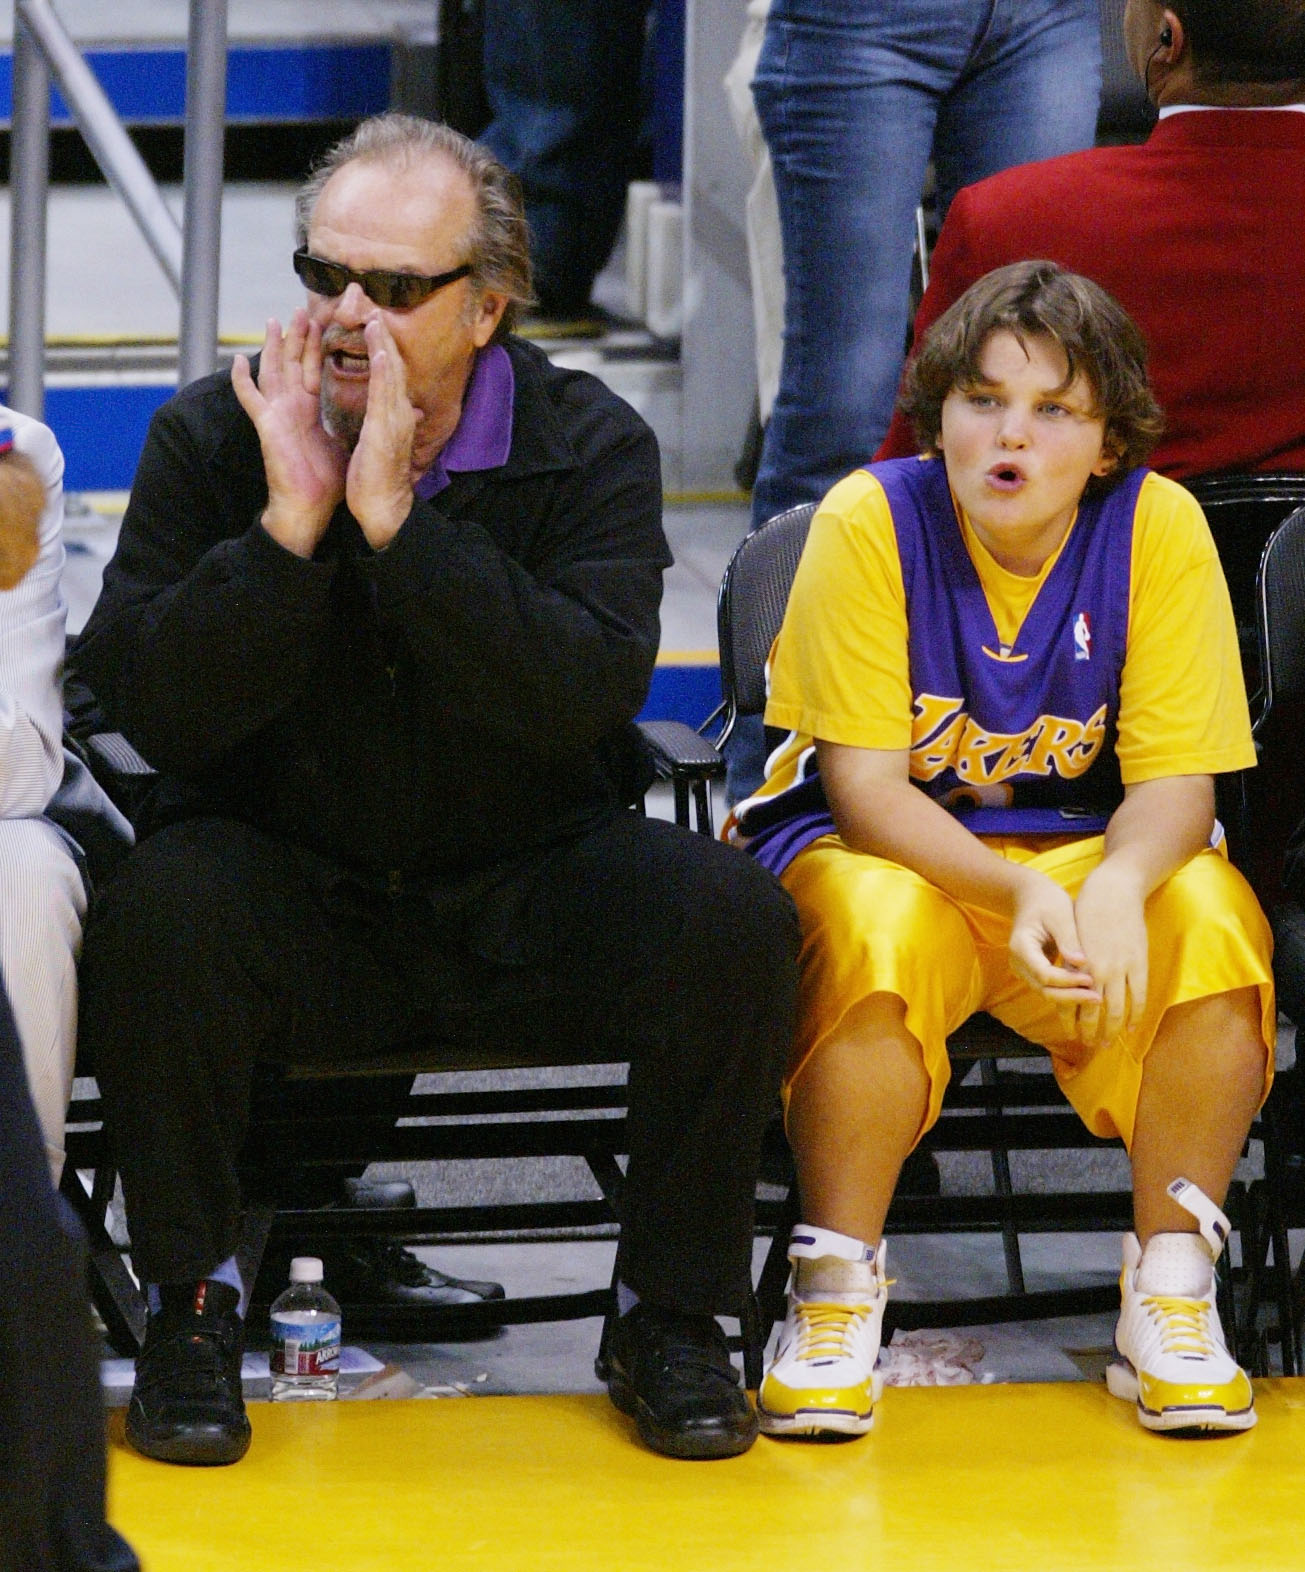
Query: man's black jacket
x=450, y=701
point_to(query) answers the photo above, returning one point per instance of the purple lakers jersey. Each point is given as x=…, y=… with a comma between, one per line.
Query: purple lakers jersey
x=1014, y=740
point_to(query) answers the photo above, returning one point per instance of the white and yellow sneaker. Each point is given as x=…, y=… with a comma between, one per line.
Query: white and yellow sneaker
x=823, y=1380
x=1172, y=1360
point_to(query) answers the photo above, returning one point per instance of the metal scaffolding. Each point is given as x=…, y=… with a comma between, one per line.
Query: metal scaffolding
x=43, y=51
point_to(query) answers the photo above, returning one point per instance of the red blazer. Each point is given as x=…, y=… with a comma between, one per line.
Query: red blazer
x=1199, y=232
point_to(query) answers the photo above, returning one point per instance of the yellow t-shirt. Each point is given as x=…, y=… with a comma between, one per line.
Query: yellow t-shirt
x=840, y=667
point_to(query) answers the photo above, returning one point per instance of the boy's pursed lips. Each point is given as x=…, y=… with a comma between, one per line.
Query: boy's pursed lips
x=1006, y=476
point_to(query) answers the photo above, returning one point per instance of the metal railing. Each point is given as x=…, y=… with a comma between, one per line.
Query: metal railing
x=188, y=256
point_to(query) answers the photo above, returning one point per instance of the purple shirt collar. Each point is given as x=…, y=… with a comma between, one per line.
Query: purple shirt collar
x=483, y=435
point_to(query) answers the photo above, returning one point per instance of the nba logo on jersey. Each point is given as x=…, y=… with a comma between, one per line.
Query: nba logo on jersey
x=1082, y=636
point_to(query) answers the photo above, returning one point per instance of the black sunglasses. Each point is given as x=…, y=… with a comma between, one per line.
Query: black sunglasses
x=394, y=291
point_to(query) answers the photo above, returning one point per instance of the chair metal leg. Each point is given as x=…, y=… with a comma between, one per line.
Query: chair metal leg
x=609, y=1319
x=681, y=792
x=1010, y=1239
x=1242, y=1332
x=1275, y=1181
x=773, y=1281
x=608, y=1176
x=113, y=1290
x=752, y=1341
x=702, y=804
x=254, y=1231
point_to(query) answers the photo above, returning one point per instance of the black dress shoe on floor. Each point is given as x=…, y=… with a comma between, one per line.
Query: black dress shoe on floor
x=186, y=1406
x=372, y=1270
x=673, y=1374
x=377, y=1271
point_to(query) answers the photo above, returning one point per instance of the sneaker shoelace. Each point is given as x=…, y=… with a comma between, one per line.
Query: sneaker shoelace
x=828, y=1331
x=1184, y=1326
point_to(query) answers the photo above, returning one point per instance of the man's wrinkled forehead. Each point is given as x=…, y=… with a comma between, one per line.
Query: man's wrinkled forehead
x=448, y=211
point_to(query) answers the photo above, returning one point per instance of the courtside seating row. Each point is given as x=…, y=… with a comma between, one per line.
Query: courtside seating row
x=999, y=1103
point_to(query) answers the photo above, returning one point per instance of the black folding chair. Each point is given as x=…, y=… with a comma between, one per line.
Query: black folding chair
x=1278, y=709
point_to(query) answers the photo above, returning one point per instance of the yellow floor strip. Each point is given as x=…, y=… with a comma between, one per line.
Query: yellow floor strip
x=1039, y=1478
x=688, y=658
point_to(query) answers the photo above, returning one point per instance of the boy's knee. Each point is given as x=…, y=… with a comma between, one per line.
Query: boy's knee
x=1229, y=1024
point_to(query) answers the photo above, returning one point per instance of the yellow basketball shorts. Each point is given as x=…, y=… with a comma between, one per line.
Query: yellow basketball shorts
x=872, y=926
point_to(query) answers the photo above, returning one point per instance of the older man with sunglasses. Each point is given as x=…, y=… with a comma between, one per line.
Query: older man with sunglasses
x=382, y=611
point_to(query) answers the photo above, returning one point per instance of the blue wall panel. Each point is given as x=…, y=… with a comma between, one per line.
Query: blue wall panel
x=683, y=693
x=288, y=82
x=101, y=431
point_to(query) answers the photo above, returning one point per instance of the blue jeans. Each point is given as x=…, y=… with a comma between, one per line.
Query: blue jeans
x=563, y=80
x=854, y=97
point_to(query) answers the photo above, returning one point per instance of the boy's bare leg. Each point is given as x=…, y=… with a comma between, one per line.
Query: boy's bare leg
x=854, y=1113
x=1201, y=1084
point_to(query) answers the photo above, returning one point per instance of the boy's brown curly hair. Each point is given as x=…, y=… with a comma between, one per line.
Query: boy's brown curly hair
x=1042, y=300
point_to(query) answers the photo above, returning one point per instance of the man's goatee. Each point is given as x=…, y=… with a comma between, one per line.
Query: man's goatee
x=345, y=425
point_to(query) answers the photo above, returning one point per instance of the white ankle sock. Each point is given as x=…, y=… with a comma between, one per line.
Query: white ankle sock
x=1177, y=1265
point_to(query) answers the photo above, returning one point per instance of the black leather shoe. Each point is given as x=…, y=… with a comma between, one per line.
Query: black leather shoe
x=187, y=1405
x=376, y=1271
x=673, y=1374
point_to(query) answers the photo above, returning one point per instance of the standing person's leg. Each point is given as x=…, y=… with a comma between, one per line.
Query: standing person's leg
x=42, y=906
x=563, y=81
x=681, y=953
x=847, y=100
x=1032, y=90
x=51, y=1413
x=210, y=949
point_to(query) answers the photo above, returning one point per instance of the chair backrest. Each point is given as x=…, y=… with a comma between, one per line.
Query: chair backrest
x=750, y=606
x=1243, y=511
x=1280, y=602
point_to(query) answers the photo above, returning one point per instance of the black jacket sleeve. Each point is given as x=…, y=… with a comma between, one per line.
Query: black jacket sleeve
x=519, y=608
x=548, y=646
x=205, y=628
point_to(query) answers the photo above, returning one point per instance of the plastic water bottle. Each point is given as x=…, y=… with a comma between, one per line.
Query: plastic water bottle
x=305, y=1353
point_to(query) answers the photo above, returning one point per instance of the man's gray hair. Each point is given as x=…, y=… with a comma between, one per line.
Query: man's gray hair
x=499, y=243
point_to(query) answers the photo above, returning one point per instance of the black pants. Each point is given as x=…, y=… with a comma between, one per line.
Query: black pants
x=51, y=1412
x=215, y=949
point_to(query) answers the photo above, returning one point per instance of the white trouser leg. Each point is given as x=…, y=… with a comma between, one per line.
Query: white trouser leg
x=42, y=904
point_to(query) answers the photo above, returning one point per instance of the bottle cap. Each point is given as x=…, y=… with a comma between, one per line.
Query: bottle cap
x=306, y=1269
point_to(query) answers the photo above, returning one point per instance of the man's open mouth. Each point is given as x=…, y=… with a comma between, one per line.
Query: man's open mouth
x=349, y=362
